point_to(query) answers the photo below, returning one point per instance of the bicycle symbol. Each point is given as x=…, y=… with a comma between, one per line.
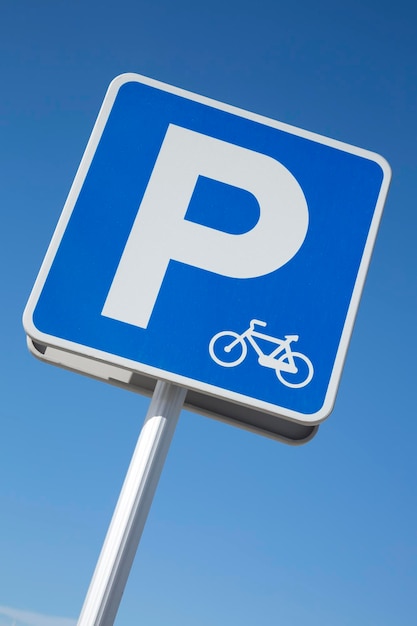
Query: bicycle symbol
x=229, y=349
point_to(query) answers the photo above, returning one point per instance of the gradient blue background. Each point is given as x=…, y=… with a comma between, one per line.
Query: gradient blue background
x=243, y=530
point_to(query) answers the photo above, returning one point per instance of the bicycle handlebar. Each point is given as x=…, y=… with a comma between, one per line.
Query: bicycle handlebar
x=258, y=322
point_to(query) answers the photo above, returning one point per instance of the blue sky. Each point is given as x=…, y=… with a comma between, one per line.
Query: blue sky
x=243, y=529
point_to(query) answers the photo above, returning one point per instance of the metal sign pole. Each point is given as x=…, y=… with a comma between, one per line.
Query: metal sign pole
x=119, y=548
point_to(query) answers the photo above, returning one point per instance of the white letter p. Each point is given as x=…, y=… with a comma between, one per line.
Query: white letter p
x=161, y=233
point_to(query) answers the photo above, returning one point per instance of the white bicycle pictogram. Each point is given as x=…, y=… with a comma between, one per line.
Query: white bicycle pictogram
x=293, y=369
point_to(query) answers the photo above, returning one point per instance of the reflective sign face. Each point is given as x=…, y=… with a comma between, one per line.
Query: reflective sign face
x=213, y=248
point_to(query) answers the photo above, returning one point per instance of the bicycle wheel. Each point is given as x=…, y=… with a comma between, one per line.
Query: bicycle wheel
x=301, y=377
x=227, y=348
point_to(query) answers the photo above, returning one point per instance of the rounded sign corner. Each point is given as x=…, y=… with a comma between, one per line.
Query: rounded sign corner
x=122, y=79
x=318, y=417
x=383, y=164
x=28, y=323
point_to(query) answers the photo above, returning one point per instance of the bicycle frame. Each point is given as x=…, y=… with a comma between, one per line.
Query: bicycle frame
x=280, y=358
x=269, y=360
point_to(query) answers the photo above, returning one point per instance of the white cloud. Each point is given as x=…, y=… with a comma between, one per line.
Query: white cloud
x=17, y=617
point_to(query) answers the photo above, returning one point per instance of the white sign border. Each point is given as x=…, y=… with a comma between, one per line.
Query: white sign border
x=50, y=340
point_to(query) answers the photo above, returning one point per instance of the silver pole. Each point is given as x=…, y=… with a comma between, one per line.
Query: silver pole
x=129, y=517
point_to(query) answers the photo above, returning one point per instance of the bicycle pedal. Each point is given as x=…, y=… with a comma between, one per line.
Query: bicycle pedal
x=265, y=361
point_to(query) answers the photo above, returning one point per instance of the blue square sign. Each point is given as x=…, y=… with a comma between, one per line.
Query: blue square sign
x=213, y=248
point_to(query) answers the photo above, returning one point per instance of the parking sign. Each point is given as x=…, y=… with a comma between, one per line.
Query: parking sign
x=213, y=248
